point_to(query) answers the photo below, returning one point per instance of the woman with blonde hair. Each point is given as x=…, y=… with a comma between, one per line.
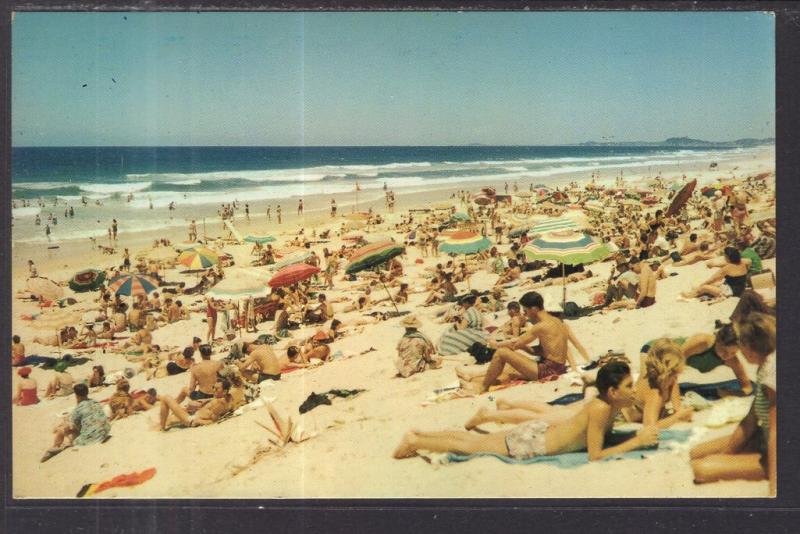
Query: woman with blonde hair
x=750, y=452
x=658, y=384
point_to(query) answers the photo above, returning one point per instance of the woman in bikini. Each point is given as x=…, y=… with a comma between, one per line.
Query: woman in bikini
x=706, y=352
x=729, y=280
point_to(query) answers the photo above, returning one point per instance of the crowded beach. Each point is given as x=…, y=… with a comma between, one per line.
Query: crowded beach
x=606, y=330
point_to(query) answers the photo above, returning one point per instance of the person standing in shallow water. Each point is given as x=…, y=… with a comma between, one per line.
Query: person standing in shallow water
x=278, y=213
x=300, y=207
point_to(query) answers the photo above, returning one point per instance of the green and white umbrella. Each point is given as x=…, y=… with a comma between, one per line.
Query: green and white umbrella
x=568, y=248
x=250, y=238
x=554, y=224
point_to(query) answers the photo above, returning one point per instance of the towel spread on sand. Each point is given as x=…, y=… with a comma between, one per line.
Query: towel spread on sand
x=119, y=481
x=575, y=459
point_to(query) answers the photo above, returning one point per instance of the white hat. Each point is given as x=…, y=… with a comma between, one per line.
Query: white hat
x=410, y=321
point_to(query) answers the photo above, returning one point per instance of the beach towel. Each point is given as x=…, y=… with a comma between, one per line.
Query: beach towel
x=575, y=459
x=710, y=391
x=119, y=481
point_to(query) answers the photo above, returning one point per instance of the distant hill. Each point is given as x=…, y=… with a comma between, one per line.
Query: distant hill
x=689, y=142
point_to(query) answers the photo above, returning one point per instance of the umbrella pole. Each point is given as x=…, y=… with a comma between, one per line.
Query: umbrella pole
x=563, y=286
x=390, y=296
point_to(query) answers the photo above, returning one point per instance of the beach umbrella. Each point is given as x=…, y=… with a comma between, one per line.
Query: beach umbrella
x=292, y=274
x=465, y=243
x=132, y=284
x=87, y=280
x=293, y=258
x=44, y=288
x=373, y=255
x=518, y=231
x=241, y=284
x=180, y=247
x=460, y=216
x=482, y=200
x=555, y=224
x=198, y=258
x=568, y=248
x=680, y=198
x=250, y=238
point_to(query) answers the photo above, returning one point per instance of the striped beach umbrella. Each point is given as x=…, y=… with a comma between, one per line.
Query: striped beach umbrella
x=87, y=280
x=554, y=224
x=293, y=258
x=250, y=238
x=464, y=243
x=132, y=284
x=198, y=258
x=292, y=274
x=568, y=248
x=372, y=255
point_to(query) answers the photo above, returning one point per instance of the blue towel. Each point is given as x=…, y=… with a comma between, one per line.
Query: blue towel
x=39, y=360
x=574, y=459
x=709, y=391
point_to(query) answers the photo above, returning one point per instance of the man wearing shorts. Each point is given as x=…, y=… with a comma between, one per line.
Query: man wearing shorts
x=553, y=336
x=202, y=378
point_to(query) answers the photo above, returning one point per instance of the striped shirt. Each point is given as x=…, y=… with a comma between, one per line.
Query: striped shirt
x=765, y=379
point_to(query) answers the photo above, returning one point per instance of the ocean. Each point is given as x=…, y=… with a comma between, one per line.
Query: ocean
x=199, y=178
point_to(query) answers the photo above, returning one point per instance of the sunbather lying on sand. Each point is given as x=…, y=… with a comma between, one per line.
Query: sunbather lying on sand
x=585, y=430
x=516, y=412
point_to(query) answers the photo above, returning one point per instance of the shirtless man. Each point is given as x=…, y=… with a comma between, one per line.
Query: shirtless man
x=647, y=283
x=553, y=336
x=512, y=328
x=17, y=351
x=260, y=364
x=585, y=430
x=218, y=405
x=202, y=377
x=512, y=273
x=139, y=341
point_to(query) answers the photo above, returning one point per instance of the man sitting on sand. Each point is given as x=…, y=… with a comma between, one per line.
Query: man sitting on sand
x=260, y=364
x=320, y=314
x=202, y=377
x=513, y=327
x=647, y=283
x=585, y=430
x=87, y=424
x=553, y=335
x=511, y=274
x=218, y=405
x=415, y=352
x=17, y=351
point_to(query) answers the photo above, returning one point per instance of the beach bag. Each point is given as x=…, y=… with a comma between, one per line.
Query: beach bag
x=481, y=352
x=571, y=310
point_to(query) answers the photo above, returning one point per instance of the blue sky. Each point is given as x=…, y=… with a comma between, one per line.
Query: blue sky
x=389, y=78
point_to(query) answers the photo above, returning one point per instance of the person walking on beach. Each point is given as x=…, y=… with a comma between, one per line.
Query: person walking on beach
x=47, y=231
x=269, y=214
x=126, y=260
x=192, y=231
x=114, y=229
x=333, y=207
x=300, y=207
x=278, y=213
x=247, y=211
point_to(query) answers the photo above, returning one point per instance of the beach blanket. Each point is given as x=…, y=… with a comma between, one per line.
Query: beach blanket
x=575, y=459
x=47, y=362
x=119, y=481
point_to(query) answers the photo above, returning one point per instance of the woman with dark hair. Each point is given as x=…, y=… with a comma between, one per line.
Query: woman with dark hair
x=729, y=280
x=750, y=302
x=98, y=376
x=466, y=330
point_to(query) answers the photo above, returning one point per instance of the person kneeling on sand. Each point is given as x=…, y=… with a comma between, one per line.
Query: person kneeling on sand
x=553, y=335
x=87, y=424
x=218, y=405
x=415, y=352
x=585, y=430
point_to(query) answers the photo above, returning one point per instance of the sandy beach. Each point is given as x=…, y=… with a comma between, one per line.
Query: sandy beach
x=345, y=449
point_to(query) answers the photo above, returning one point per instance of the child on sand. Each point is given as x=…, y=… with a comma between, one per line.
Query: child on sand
x=586, y=430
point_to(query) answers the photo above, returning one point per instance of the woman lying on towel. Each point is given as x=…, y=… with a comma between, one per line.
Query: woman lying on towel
x=586, y=430
x=750, y=452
